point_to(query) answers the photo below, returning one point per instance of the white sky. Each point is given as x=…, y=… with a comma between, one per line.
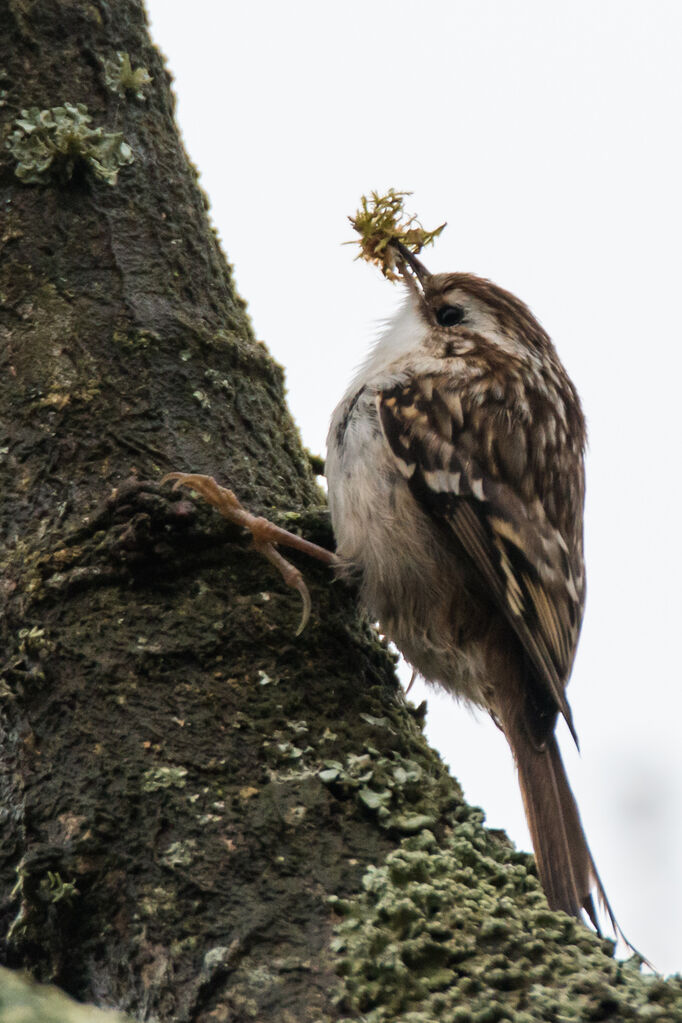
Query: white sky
x=548, y=136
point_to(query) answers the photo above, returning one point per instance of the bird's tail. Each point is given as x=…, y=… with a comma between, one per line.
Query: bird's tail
x=564, y=861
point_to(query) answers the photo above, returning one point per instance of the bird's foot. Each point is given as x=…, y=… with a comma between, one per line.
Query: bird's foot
x=265, y=533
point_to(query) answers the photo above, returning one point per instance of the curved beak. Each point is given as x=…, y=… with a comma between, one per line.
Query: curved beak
x=415, y=265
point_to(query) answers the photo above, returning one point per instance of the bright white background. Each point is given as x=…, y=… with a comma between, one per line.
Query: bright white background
x=548, y=136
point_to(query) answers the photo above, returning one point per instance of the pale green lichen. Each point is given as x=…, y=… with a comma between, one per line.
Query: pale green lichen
x=24, y=1001
x=35, y=897
x=460, y=932
x=403, y=794
x=286, y=752
x=457, y=929
x=164, y=777
x=34, y=641
x=216, y=958
x=135, y=339
x=180, y=854
x=218, y=380
x=53, y=888
x=52, y=142
x=157, y=901
x=202, y=399
x=120, y=78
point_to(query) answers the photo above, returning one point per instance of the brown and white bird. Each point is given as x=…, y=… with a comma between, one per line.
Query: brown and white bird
x=456, y=488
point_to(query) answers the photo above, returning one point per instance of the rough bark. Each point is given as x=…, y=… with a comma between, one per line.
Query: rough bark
x=191, y=796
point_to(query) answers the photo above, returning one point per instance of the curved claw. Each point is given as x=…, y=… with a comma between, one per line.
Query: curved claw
x=265, y=534
x=292, y=577
x=307, y=606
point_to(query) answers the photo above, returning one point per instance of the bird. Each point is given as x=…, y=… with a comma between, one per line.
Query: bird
x=456, y=484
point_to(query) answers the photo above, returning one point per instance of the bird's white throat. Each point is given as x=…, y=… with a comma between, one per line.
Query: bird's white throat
x=402, y=336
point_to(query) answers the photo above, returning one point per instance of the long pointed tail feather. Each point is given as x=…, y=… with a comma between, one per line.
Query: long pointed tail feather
x=564, y=861
x=565, y=865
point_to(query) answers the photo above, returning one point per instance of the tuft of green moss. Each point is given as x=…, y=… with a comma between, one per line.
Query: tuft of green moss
x=51, y=142
x=53, y=888
x=382, y=219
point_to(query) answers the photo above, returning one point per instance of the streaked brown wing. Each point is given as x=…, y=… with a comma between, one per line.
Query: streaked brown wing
x=522, y=558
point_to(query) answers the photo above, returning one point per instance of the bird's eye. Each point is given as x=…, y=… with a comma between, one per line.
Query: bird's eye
x=450, y=315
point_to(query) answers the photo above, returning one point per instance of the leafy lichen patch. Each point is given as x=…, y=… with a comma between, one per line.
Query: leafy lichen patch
x=22, y=999
x=52, y=141
x=120, y=77
x=403, y=794
x=459, y=931
x=164, y=777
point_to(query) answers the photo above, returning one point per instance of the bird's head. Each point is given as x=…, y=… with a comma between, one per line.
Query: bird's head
x=453, y=302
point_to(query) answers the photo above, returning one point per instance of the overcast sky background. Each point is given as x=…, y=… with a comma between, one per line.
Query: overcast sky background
x=548, y=136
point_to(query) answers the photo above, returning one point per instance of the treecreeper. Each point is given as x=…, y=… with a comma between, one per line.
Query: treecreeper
x=456, y=487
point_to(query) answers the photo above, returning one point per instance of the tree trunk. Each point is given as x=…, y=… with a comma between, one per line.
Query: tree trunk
x=192, y=797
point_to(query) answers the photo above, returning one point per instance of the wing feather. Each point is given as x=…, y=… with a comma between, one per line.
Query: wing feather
x=522, y=558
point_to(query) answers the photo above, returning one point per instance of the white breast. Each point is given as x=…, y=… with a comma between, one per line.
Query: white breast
x=409, y=578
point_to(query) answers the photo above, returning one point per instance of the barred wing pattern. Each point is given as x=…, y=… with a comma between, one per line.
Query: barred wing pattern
x=523, y=560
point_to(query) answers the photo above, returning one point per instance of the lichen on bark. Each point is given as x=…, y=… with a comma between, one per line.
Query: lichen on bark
x=23, y=1000
x=459, y=931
